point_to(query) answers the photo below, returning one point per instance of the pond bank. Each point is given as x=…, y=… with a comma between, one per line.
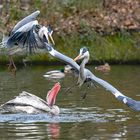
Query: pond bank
x=110, y=29
x=122, y=48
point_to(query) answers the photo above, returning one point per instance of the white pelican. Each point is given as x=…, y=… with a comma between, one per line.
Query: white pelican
x=29, y=103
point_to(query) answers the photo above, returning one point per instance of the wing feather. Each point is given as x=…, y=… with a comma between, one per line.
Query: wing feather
x=25, y=20
x=62, y=57
x=28, y=99
x=135, y=105
x=25, y=37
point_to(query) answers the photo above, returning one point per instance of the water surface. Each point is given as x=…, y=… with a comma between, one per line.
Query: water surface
x=98, y=116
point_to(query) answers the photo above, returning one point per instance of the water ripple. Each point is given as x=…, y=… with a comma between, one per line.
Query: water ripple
x=92, y=114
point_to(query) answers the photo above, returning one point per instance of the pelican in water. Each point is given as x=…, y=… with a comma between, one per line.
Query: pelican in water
x=135, y=105
x=29, y=103
x=27, y=34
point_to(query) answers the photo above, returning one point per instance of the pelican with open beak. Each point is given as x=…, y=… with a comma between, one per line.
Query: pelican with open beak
x=29, y=103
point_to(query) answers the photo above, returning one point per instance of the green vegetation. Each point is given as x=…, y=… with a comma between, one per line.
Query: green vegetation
x=119, y=48
x=122, y=47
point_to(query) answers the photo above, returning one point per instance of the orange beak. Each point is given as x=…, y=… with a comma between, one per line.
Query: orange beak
x=77, y=58
x=50, y=36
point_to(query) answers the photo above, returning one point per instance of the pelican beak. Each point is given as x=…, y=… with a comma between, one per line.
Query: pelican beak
x=77, y=58
x=50, y=36
x=51, y=96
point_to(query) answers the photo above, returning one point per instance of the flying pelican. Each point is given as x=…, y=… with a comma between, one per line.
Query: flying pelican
x=29, y=103
x=135, y=105
x=29, y=34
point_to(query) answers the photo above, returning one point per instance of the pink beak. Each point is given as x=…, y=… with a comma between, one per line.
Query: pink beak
x=51, y=97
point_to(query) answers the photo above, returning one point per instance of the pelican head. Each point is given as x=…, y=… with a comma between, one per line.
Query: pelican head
x=47, y=33
x=84, y=53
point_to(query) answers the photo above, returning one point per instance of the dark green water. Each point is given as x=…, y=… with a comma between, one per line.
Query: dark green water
x=99, y=116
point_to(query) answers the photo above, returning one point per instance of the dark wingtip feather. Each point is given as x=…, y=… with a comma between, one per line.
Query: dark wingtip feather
x=135, y=105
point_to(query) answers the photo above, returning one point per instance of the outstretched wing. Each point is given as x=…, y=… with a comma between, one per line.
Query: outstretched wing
x=31, y=17
x=62, y=57
x=24, y=37
x=25, y=33
x=135, y=105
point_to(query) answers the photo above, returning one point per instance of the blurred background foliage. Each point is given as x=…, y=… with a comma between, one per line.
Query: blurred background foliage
x=109, y=28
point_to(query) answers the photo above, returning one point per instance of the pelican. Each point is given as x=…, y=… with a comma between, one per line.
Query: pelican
x=135, y=105
x=29, y=103
x=28, y=34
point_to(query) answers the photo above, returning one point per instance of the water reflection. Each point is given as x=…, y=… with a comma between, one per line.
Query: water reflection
x=76, y=130
x=99, y=116
x=31, y=131
x=53, y=130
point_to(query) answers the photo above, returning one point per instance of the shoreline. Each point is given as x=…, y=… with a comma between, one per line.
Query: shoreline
x=110, y=30
x=59, y=63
